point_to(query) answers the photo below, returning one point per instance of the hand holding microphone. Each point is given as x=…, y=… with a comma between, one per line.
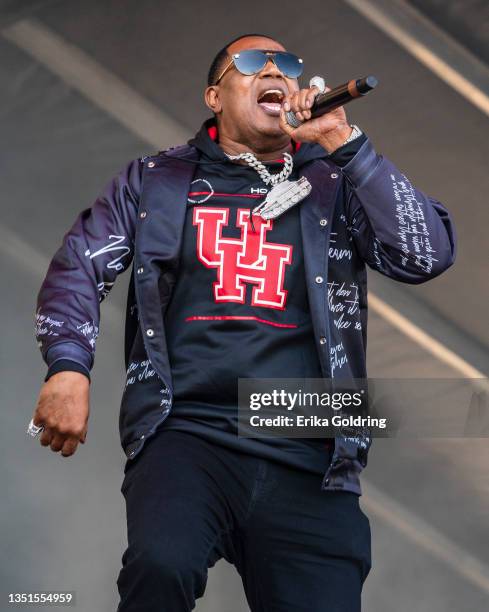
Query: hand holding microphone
x=317, y=115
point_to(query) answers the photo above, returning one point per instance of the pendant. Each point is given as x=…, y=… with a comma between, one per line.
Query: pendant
x=282, y=197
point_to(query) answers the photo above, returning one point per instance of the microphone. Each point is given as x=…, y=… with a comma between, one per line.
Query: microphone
x=328, y=101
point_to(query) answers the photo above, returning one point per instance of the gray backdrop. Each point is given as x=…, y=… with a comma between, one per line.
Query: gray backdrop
x=63, y=521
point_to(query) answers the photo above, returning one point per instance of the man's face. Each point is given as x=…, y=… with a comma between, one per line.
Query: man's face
x=244, y=108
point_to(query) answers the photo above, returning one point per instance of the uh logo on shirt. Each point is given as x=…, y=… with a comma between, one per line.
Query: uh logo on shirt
x=239, y=261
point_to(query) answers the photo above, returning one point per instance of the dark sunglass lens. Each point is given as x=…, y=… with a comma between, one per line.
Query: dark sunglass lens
x=289, y=64
x=250, y=62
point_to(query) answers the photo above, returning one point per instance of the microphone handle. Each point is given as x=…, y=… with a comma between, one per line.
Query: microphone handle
x=328, y=101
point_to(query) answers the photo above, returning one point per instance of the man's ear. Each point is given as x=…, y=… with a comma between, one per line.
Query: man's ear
x=212, y=99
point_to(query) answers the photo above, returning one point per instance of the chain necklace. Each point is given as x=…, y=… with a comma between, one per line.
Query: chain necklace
x=266, y=177
x=284, y=194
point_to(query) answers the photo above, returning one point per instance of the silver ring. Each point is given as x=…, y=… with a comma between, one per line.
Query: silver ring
x=34, y=430
x=318, y=82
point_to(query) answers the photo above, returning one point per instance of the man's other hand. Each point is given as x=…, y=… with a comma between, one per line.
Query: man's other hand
x=63, y=409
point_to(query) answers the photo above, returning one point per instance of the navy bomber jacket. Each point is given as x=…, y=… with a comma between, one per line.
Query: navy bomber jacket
x=367, y=208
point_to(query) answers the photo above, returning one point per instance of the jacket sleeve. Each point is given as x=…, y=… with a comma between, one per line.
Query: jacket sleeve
x=397, y=229
x=98, y=247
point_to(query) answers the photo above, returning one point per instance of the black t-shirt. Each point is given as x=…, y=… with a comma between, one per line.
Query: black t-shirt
x=239, y=309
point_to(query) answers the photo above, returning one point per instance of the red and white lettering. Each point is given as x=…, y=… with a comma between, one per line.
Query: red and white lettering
x=248, y=259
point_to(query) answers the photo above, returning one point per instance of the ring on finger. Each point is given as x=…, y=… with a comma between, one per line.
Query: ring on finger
x=318, y=82
x=34, y=430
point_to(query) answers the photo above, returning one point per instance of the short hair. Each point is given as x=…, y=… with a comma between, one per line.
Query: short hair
x=222, y=55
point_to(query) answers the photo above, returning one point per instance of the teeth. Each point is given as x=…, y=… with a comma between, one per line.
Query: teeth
x=272, y=91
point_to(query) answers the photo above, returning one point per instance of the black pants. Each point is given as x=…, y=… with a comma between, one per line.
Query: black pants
x=189, y=503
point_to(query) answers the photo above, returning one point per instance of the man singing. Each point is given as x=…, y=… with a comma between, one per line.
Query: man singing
x=219, y=290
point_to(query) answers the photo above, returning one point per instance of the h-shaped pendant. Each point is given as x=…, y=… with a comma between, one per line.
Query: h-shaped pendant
x=282, y=197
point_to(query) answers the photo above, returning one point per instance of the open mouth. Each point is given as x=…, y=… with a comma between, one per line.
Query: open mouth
x=271, y=101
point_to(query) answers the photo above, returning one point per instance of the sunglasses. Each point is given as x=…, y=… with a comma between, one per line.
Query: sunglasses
x=253, y=61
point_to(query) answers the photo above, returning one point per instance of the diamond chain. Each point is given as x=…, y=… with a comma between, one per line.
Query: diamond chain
x=267, y=178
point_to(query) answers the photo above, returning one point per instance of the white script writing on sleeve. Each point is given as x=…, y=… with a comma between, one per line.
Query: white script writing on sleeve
x=46, y=325
x=412, y=229
x=90, y=331
x=114, y=264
